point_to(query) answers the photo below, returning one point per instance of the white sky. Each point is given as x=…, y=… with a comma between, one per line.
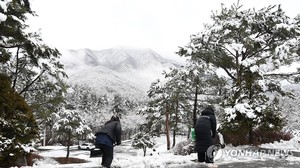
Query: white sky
x=161, y=25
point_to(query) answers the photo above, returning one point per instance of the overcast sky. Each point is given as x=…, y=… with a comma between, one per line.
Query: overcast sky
x=161, y=25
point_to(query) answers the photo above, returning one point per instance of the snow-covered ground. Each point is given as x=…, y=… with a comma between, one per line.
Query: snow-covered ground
x=293, y=144
x=127, y=157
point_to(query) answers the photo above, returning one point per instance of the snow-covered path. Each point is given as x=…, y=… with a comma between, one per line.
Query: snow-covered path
x=127, y=157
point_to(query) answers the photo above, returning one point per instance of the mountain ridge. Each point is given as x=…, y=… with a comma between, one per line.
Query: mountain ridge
x=128, y=72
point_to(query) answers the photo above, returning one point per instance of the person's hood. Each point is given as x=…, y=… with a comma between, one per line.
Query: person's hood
x=208, y=111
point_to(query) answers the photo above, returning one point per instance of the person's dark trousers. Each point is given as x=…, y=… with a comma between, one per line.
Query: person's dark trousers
x=107, y=155
x=202, y=157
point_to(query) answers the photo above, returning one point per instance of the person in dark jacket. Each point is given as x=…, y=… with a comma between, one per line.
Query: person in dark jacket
x=205, y=131
x=107, y=137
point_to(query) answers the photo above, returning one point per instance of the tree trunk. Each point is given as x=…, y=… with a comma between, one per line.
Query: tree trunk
x=49, y=133
x=44, y=136
x=174, y=138
x=144, y=150
x=195, y=108
x=17, y=69
x=176, y=122
x=189, y=132
x=68, y=144
x=250, y=135
x=167, y=127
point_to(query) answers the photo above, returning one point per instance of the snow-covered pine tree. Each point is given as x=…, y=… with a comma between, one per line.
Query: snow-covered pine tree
x=118, y=105
x=290, y=108
x=191, y=87
x=202, y=87
x=68, y=125
x=175, y=99
x=159, y=105
x=93, y=108
x=249, y=45
x=176, y=88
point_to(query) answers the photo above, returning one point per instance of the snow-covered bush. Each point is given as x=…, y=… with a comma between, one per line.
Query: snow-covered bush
x=142, y=140
x=184, y=148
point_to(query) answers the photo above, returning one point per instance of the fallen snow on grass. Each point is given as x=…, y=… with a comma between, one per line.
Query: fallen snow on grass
x=293, y=144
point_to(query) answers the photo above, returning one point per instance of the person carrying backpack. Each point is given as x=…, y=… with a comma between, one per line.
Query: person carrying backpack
x=205, y=131
x=107, y=137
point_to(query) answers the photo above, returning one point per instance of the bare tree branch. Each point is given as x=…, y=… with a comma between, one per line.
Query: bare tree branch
x=17, y=68
x=12, y=46
x=32, y=82
x=283, y=74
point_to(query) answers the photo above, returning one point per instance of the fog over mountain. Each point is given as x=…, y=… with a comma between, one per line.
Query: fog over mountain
x=117, y=70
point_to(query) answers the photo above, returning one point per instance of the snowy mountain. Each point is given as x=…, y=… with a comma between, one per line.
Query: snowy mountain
x=116, y=70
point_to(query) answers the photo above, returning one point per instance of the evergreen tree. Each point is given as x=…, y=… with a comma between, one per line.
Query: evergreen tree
x=176, y=88
x=290, y=107
x=68, y=125
x=118, y=105
x=92, y=108
x=175, y=100
x=18, y=127
x=249, y=46
x=202, y=87
x=160, y=105
x=34, y=67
